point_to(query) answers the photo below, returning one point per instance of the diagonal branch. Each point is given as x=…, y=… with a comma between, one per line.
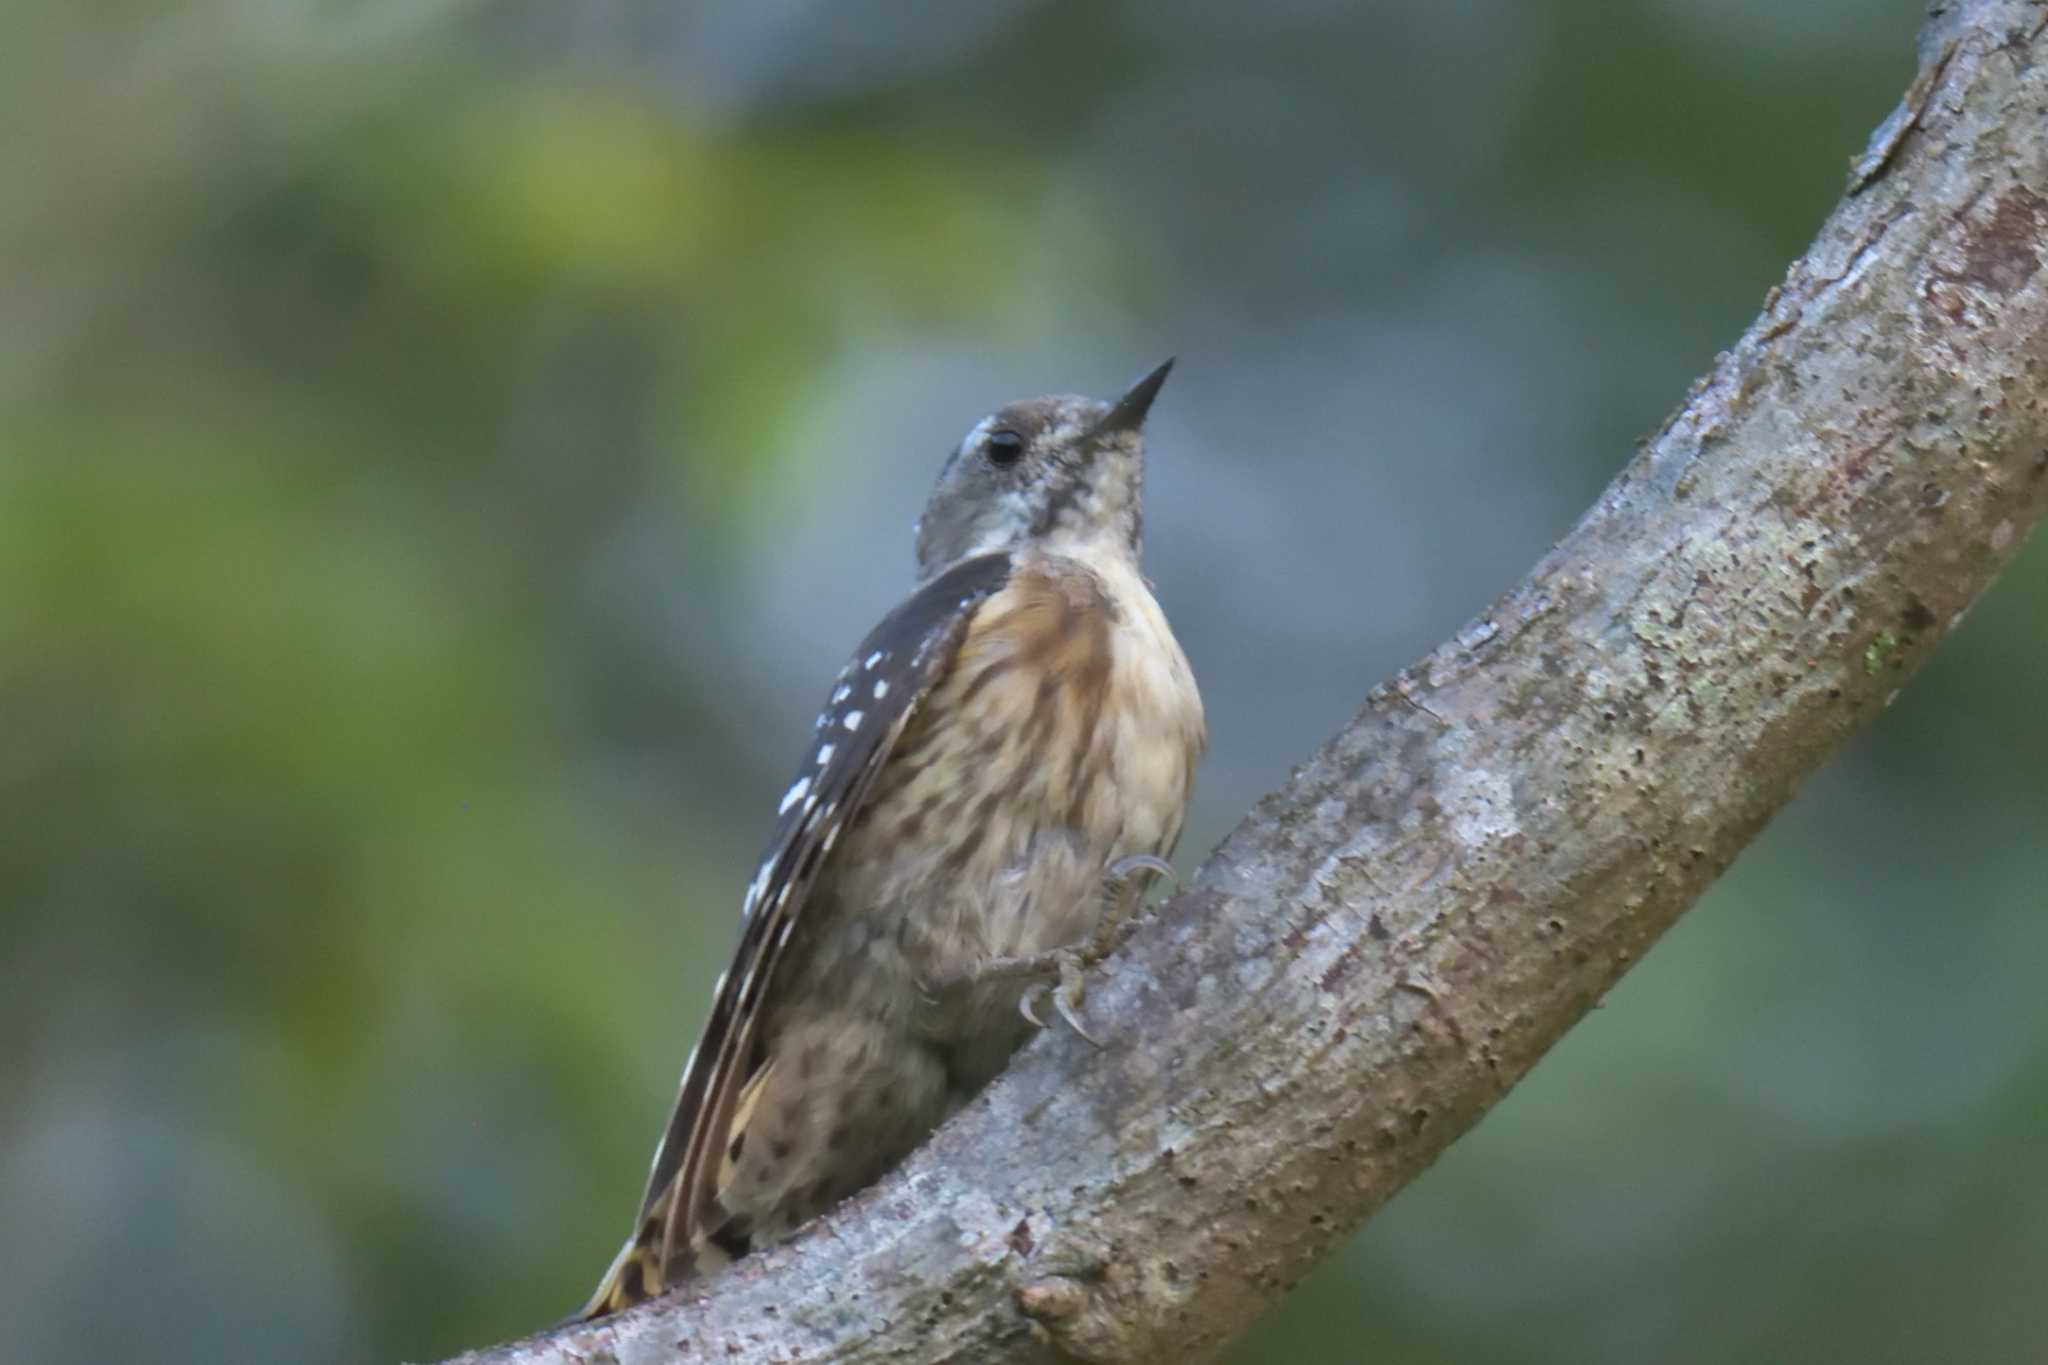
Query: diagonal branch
x=1387, y=944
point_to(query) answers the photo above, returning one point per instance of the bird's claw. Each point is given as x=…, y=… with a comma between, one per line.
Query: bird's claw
x=1122, y=868
x=1066, y=995
x=1068, y=964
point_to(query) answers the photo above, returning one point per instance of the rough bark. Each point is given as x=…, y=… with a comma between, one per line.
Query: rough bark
x=1388, y=943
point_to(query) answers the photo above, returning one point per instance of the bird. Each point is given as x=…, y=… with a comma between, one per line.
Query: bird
x=996, y=767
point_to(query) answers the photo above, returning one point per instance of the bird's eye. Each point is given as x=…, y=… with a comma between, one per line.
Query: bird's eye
x=1004, y=448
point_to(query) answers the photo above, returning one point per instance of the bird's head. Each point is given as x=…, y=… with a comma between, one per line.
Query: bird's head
x=1064, y=473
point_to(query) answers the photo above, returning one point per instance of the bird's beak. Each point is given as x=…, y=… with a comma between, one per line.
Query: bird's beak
x=1129, y=412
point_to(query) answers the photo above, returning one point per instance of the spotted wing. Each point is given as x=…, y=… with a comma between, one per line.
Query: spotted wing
x=872, y=701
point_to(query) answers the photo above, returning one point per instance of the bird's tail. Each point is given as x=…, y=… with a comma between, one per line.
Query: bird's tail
x=635, y=1274
x=632, y=1277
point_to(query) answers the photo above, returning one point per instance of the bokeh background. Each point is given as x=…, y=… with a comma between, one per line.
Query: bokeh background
x=446, y=448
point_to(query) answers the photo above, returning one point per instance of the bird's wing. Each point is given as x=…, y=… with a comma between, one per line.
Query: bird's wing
x=872, y=701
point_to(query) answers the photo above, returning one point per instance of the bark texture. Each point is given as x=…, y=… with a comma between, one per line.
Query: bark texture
x=1387, y=944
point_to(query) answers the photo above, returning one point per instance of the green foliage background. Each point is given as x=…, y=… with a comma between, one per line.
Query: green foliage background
x=444, y=450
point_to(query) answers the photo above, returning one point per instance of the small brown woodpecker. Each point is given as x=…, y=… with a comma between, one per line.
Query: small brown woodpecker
x=999, y=752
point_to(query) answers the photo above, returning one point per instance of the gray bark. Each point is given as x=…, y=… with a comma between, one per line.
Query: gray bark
x=1388, y=943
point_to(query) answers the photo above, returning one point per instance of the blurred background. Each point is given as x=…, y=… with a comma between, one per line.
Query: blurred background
x=447, y=448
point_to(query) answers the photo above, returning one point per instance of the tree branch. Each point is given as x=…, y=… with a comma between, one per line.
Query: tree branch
x=1387, y=944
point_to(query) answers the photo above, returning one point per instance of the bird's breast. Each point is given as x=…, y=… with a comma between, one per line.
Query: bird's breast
x=1063, y=737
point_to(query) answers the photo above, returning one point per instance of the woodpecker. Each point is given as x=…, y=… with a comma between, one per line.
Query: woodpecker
x=999, y=756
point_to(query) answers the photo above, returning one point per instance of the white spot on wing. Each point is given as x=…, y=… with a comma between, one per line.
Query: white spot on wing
x=853, y=719
x=881, y=688
x=840, y=694
x=754, y=890
x=794, y=794
x=824, y=754
x=875, y=658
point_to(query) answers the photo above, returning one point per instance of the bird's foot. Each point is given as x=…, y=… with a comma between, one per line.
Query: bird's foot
x=1067, y=993
x=1066, y=967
